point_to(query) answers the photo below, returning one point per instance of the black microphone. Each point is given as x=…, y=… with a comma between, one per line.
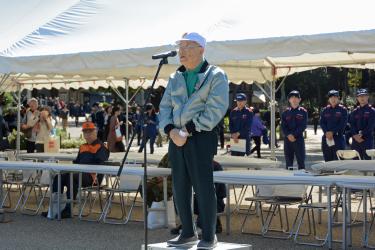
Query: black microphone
x=171, y=53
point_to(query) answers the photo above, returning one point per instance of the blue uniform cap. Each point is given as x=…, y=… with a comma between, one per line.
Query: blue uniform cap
x=333, y=93
x=294, y=93
x=241, y=97
x=362, y=92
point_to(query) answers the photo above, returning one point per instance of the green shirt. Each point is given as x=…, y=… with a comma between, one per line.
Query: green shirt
x=191, y=78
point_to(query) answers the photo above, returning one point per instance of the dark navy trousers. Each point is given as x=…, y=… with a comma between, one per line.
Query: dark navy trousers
x=192, y=168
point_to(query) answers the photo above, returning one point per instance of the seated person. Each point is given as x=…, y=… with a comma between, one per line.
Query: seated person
x=92, y=152
x=155, y=184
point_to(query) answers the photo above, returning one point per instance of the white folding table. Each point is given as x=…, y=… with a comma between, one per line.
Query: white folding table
x=58, y=168
x=277, y=177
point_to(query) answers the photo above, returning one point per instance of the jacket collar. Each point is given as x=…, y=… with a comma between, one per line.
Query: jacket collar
x=202, y=70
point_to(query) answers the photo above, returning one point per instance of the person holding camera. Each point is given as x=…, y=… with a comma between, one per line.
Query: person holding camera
x=43, y=129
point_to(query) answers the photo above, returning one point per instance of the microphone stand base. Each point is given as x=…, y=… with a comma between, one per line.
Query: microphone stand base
x=220, y=245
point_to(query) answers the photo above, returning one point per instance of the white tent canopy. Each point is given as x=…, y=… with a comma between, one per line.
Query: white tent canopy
x=100, y=40
x=60, y=82
x=58, y=42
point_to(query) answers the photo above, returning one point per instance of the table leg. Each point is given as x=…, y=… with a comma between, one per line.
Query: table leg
x=79, y=192
x=50, y=208
x=1, y=197
x=349, y=200
x=329, y=215
x=228, y=210
x=364, y=237
x=344, y=219
x=320, y=201
x=58, y=195
x=165, y=195
x=71, y=194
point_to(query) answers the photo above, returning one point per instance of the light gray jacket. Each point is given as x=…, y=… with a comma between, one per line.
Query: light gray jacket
x=205, y=107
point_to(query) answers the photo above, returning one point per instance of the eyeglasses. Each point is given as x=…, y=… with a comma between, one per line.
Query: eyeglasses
x=189, y=47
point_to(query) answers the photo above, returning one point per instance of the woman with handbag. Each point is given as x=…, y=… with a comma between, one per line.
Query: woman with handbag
x=114, y=140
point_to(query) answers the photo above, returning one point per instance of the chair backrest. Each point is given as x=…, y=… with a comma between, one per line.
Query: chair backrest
x=295, y=191
x=29, y=175
x=347, y=155
x=130, y=182
x=10, y=155
x=44, y=176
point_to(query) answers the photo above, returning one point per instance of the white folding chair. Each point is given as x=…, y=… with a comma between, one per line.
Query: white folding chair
x=127, y=184
x=347, y=154
x=11, y=178
x=40, y=188
x=351, y=155
x=283, y=196
x=91, y=196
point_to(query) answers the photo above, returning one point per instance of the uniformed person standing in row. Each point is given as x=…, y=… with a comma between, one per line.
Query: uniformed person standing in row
x=240, y=120
x=333, y=119
x=293, y=124
x=362, y=123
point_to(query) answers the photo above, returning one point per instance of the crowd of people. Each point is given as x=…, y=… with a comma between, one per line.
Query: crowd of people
x=338, y=123
x=39, y=117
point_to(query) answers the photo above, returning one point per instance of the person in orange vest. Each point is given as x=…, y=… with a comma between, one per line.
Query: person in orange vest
x=92, y=152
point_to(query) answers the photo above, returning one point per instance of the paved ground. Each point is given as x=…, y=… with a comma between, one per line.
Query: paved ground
x=35, y=232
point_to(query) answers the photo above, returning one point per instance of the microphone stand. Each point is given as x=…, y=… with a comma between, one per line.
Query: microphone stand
x=141, y=123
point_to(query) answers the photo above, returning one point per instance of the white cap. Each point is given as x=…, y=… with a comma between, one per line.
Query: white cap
x=195, y=37
x=32, y=100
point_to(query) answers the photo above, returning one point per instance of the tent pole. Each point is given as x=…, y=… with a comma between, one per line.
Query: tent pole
x=263, y=90
x=18, y=143
x=282, y=82
x=273, y=127
x=272, y=106
x=127, y=110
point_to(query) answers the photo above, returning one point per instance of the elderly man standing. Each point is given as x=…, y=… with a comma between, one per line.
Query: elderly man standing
x=194, y=102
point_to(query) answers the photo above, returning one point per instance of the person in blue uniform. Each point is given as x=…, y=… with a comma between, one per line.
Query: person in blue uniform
x=150, y=128
x=333, y=119
x=240, y=120
x=362, y=124
x=293, y=124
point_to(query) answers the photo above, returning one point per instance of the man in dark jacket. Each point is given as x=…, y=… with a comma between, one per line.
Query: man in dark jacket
x=92, y=152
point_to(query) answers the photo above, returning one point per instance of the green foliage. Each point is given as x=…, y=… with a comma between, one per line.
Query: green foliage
x=12, y=138
x=315, y=84
x=9, y=105
x=71, y=143
x=226, y=124
x=8, y=99
x=62, y=133
x=354, y=78
x=351, y=101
